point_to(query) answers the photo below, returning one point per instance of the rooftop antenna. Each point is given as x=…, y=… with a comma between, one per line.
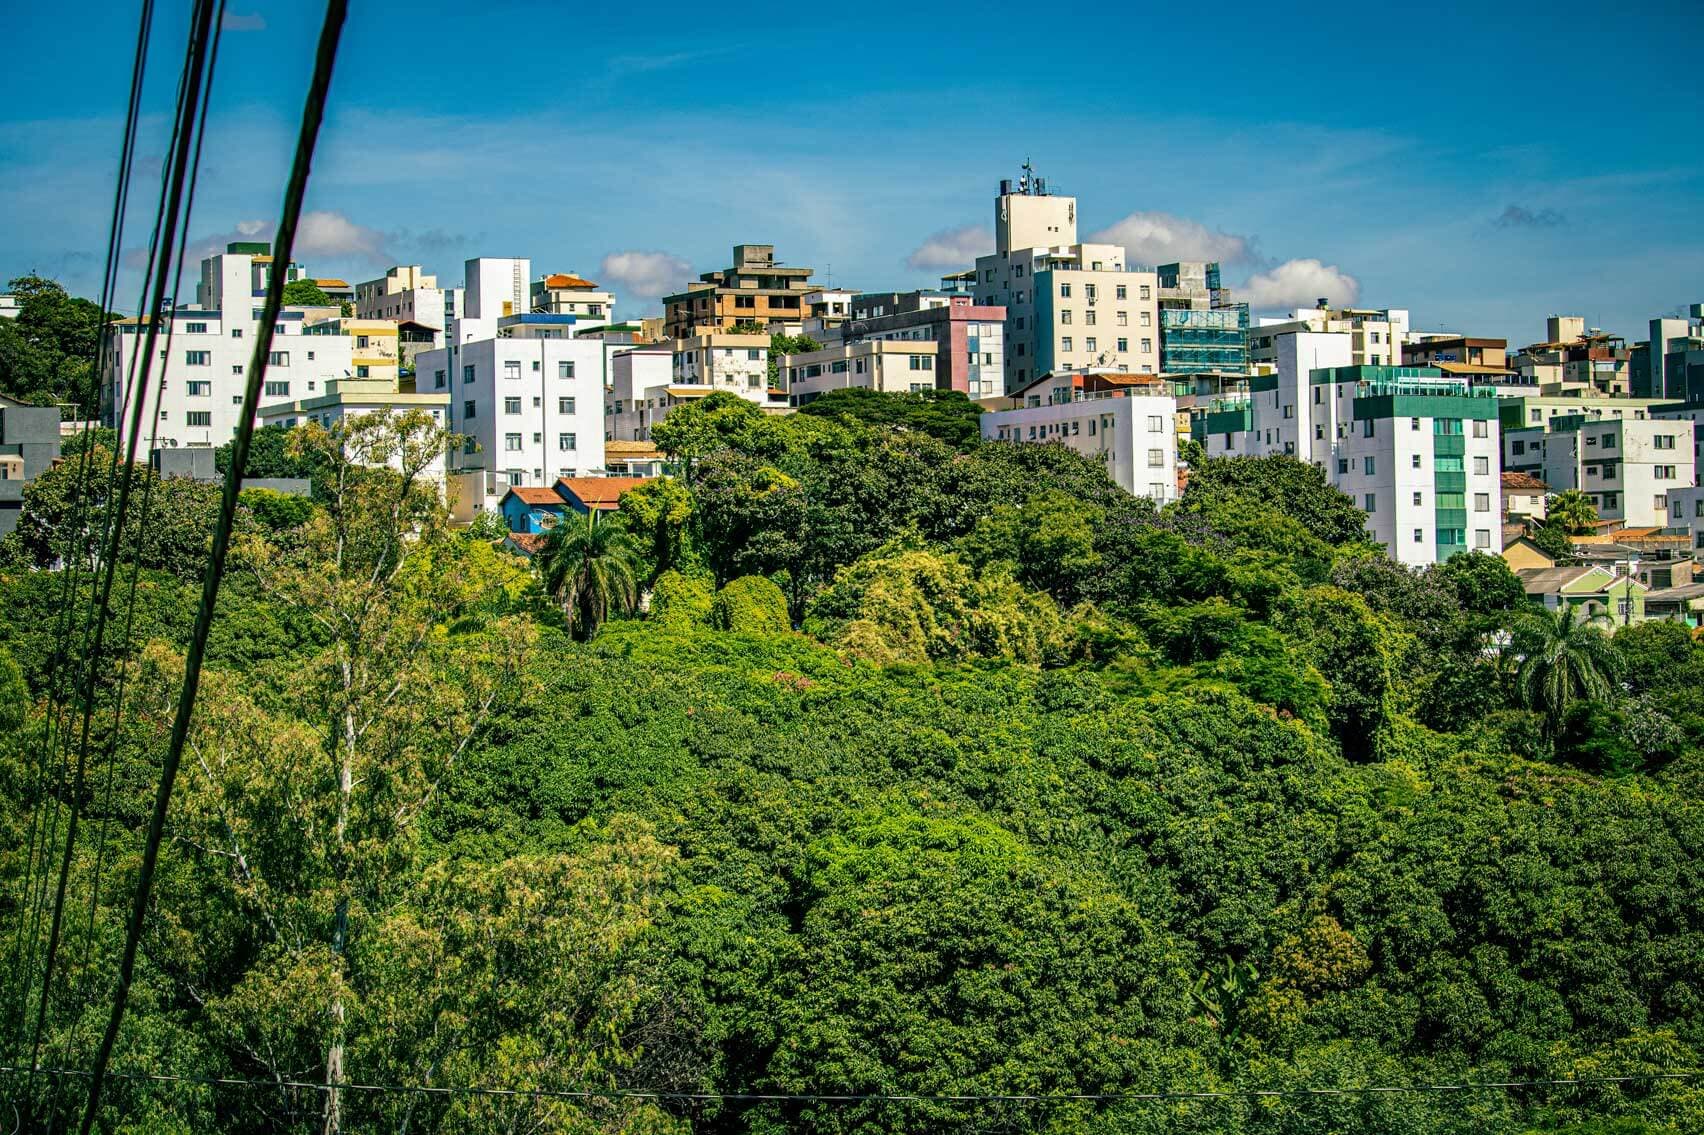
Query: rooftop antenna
x=1024, y=181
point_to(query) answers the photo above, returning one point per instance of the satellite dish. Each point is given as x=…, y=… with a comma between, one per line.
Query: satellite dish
x=548, y=521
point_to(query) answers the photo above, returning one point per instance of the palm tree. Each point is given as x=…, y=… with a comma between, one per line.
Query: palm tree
x=592, y=570
x=1573, y=510
x=1564, y=658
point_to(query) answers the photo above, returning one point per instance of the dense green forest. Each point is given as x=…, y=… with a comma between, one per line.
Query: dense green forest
x=862, y=759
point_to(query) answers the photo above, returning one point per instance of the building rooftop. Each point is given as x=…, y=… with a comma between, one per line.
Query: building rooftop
x=560, y=280
x=619, y=448
x=535, y=495
x=1524, y=482
x=600, y=493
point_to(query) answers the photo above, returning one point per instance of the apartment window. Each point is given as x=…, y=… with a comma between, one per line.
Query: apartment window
x=511, y=405
x=1481, y=502
x=1369, y=503
x=195, y=328
x=1018, y=297
x=1147, y=346
x=1156, y=458
x=1419, y=536
x=511, y=368
x=1123, y=344
x=1481, y=429
x=1123, y=318
x=754, y=353
x=1660, y=501
x=1156, y=423
x=1482, y=538
x=1413, y=423
x=536, y=364
x=512, y=442
x=438, y=379
x=1147, y=319
x=566, y=442
x=564, y=405
x=468, y=410
x=198, y=358
x=1090, y=345
x=564, y=370
x=197, y=388
x=1663, y=472
x=236, y=332
x=922, y=362
x=1319, y=432
x=1147, y=292
x=1608, y=441
x=1611, y=500
x=1417, y=497
x=1121, y=292
x=1064, y=344
x=198, y=418
x=1064, y=289
x=1662, y=441
x=277, y=389
x=1342, y=466
x=361, y=341
x=1065, y=316
x=1482, y=466
x=1538, y=415
x=1289, y=412
x=1089, y=318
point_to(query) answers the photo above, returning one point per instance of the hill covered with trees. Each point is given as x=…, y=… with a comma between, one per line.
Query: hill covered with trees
x=864, y=760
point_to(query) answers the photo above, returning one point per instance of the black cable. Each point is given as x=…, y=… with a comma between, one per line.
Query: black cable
x=125, y=636
x=192, y=120
x=313, y=111
x=91, y=394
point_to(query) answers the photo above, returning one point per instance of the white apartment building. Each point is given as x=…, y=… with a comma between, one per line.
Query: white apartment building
x=408, y=294
x=1627, y=467
x=238, y=277
x=1068, y=305
x=1376, y=335
x=493, y=288
x=894, y=366
x=200, y=370
x=638, y=393
x=723, y=360
x=566, y=293
x=1416, y=451
x=357, y=397
x=1135, y=435
x=530, y=409
x=1686, y=514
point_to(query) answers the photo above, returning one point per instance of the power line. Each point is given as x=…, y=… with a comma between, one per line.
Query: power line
x=662, y=1095
x=313, y=111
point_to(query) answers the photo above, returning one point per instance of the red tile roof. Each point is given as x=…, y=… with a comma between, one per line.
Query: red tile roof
x=528, y=542
x=1524, y=481
x=536, y=496
x=564, y=280
x=601, y=493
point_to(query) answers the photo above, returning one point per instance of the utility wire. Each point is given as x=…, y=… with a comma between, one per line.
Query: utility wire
x=48, y=742
x=192, y=123
x=313, y=111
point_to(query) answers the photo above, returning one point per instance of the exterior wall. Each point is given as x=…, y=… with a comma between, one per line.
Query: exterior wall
x=756, y=289
x=1135, y=436
x=895, y=366
x=636, y=377
x=352, y=398
x=407, y=294
x=1686, y=515
x=495, y=287
x=1628, y=467
x=199, y=371
x=733, y=362
x=531, y=409
x=29, y=445
x=972, y=336
x=1375, y=335
x=1025, y=220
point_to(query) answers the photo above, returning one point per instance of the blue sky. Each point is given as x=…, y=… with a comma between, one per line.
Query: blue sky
x=1483, y=165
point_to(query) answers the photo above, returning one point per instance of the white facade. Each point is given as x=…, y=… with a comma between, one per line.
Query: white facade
x=1135, y=436
x=1376, y=335
x=637, y=397
x=200, y=371
x=353, y=398
x=1069, y=306
x=1417, y=452
x=530, y=409
x=565, y=293
x=493, y=288
x=1628, y=468
x=894, y=366
x=1686, y=514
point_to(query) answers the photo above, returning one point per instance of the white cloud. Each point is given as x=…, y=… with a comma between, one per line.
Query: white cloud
x=955, y=249
x=645, y=275
x=333, y=236
x=243, y=22
x=1161, y=238
x=1298, y=283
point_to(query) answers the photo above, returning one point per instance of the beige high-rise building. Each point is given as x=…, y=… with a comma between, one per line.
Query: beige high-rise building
x=1069, y=306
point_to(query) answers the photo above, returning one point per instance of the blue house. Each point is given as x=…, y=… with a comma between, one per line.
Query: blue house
x=532, y=510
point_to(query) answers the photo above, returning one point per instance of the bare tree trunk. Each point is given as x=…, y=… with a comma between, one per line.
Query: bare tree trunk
x=345, y=789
